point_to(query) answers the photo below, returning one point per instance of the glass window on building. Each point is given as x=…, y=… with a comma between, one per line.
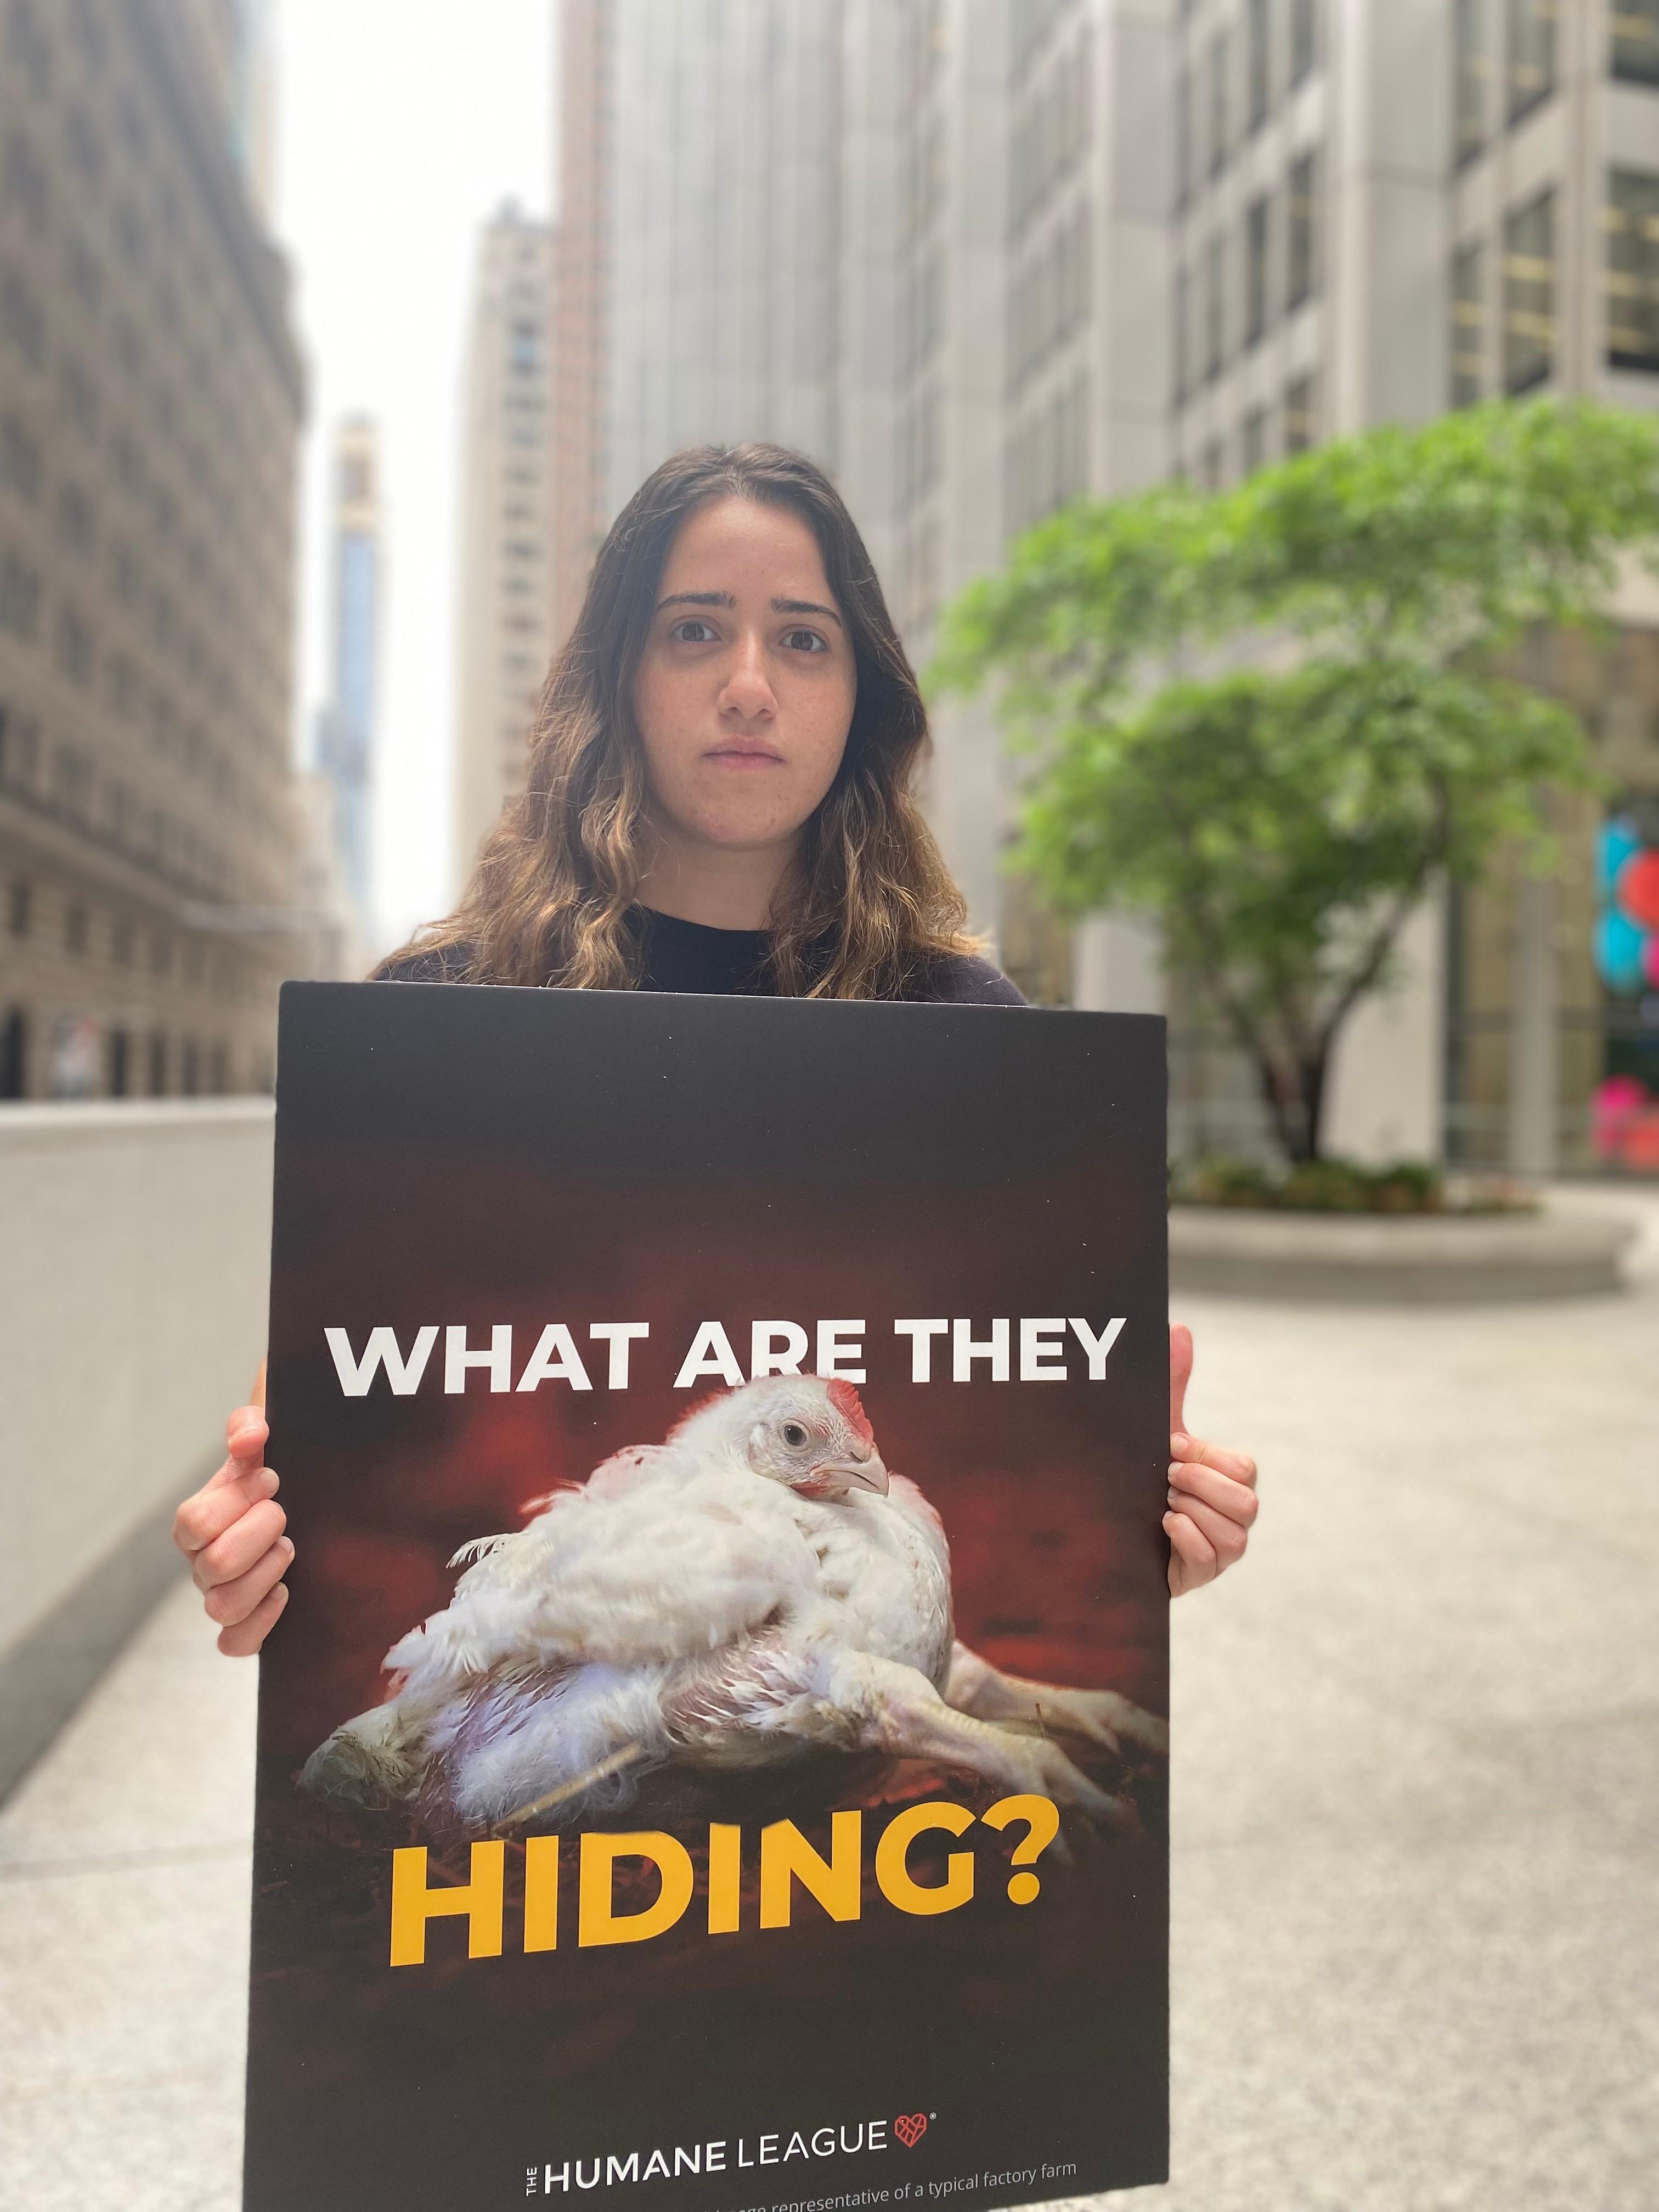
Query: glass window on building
x=1621, y=1075
x=1529, y=294
x=1255, y=270
x=1252, y=441
x=1633, y=269
x=1183, y=335
x=14, y=1053
x=1220, y=69
x=1259, y=64
x=1214, y=307
x=1302, y=242
x=1305, y=38
x=1532, y=54
x=1301, y=414
x=1472, y=66
x=1183, y=138
x=1552, y=982
x=1469, y=324
x=1635, y=54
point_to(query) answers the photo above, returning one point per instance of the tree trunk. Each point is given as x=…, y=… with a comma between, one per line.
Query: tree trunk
x=1295, y=1098
x=1313, y=1073
x=1278, y=1095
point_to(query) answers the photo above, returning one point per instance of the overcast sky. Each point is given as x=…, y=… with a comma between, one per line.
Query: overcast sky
x=401, y=125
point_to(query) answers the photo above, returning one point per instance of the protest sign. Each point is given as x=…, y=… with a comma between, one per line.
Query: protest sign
x=713, y=1758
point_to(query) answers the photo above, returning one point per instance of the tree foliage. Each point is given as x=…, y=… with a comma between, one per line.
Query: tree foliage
x=1271, y=717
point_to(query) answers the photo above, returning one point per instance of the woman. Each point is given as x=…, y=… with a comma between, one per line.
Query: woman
x=718, y=800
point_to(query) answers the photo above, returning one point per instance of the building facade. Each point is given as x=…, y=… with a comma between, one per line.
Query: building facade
x=1080, y=246
x=1383, y=211
x=505, y=584
x=344, y=751
x=150, y=403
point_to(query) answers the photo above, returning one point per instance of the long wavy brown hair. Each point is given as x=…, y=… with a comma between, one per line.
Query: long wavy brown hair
x=867, y=904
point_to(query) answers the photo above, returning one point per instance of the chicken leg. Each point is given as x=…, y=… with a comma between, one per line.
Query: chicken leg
x=976, y=1686
x=895, y=1708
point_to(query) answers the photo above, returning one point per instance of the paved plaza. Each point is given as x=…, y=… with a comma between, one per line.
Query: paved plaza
x=1416, y=1808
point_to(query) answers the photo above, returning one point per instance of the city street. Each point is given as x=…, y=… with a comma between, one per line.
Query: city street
x=1417, y=1790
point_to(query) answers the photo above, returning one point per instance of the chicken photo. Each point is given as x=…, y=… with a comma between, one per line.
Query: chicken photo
x=754, y=1590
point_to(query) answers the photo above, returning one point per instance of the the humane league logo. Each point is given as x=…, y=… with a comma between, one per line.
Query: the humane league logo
x=614, y=2168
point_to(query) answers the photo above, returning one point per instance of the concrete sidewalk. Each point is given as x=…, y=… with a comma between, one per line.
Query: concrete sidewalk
x=1417, y=1799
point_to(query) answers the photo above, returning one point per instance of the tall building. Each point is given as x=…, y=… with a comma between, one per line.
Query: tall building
x=581, y=289
x=1384, y=209
x=699, y=280
x=345, y=725
x=504, y=585
x=150, y=402
x=233, y=44
x=1078, y=245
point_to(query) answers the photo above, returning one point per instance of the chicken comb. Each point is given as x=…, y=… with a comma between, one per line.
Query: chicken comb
x=845, y=1399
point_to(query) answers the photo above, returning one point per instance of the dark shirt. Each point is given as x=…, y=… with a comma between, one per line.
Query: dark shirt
x=688, y=955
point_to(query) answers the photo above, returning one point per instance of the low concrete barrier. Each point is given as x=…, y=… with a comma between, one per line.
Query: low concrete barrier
x=132, y=1315
x=1425, y=1259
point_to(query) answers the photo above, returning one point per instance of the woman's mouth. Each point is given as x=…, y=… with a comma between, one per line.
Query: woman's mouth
x=738, y=754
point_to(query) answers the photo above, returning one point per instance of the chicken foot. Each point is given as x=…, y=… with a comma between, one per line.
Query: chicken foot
x=976, y=1686
x=897, y=1710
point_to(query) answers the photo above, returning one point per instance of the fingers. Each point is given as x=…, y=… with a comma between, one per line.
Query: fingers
x=1239, y=1465
x=1193, y=1561
x=1180, y=1370
x=245, y=1639
x=232, y=1532
x=1225, y=1538
x=1236, y=1499
x=247, y=1433
x=245, y=1542
x=219, y=1505
x=231, y=1603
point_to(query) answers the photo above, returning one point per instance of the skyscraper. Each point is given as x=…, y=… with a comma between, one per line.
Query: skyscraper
x=503, y=587
x=345, y=725
x=699, y=280
x=151, y=401
x=233, y=45
x=980, y=257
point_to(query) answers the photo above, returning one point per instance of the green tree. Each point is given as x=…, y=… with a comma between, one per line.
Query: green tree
x=1271, y=717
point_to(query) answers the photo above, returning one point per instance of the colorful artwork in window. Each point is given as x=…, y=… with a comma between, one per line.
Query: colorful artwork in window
x=1625, y=1105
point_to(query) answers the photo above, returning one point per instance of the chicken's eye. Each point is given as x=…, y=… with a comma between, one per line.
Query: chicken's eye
x=793, y=1434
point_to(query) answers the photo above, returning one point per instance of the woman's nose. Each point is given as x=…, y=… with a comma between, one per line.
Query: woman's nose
x=748, y=688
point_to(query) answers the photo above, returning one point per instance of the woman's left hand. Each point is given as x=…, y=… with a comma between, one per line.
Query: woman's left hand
x=1212, y=1500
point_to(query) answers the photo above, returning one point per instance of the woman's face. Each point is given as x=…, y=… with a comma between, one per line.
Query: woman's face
x=744, y=693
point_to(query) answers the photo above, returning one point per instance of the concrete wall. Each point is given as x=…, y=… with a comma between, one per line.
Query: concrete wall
x=1383, y=1098
x=132, y=1317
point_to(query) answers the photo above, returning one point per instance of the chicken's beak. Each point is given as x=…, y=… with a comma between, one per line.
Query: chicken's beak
x=865, y=1474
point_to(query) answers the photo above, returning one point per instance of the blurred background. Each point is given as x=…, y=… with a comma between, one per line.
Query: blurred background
x=333, y=334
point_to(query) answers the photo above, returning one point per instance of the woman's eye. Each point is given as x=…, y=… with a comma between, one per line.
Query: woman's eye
x=805, y=640
x=681, y=630
x=794, y=1434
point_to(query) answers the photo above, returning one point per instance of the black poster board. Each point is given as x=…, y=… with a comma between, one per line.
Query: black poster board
x=831, y=1981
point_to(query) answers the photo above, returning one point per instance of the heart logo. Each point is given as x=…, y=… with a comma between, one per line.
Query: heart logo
x=910, y=2127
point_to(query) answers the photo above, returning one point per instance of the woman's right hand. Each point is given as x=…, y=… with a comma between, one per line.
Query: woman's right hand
x=231, y=1531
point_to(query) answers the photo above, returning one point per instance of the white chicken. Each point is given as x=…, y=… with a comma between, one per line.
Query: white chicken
x=755, y=1588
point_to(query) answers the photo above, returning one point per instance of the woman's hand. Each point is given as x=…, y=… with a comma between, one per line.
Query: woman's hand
x=1212, y=1498
x=231, y=1531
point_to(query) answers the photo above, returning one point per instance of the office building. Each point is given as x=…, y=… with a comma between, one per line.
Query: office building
x=344, y=751
x=504, y=586
x=1080, y=246
x=150, y=403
